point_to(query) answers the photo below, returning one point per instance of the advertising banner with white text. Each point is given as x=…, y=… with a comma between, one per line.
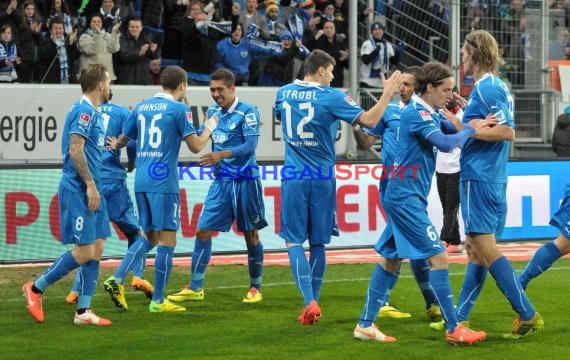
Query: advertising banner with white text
x=29, y=221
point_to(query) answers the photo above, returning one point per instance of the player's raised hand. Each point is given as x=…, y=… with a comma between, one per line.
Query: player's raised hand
x=461, y=101
x=393, y=82
x=211, y=123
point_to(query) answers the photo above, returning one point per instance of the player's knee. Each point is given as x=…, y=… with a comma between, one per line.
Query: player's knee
x=251, y=238
x=204, y=235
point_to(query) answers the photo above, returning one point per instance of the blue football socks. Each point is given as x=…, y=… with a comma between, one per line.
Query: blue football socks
x=474, y=280
x=318, y=265
x=376, y=295
x=439, y=279
x=88, y=281
x=255, y=264
x=56, y=271
x=542, y=260
x=200, y=259
x=163, y=267
x=509, y=284
x=421, y=269
x=301, y=272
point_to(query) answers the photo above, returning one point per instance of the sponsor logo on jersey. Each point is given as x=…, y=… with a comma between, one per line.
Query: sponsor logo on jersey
x=84, y=119
x=425, y=115
x=349, y=100
x=250, y=119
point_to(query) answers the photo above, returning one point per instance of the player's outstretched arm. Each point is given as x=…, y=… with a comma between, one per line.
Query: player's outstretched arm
x=196, y=143
x=371, y=117
x=77, y=154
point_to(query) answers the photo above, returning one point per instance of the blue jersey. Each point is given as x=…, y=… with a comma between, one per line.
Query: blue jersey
x=159, y=124
x=241, y=119
x=310, y=115
x=84, y=120
x=480, y=160
x=416, y=155
x=114, y=119
x=237, y=57
x=387, y=128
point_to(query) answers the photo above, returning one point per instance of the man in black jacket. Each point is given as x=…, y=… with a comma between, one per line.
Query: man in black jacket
x=57, y=55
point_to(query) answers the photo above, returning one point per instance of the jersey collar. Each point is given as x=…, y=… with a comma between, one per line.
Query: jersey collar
x=306, y=83
x=233, y=107
x=421, y=101
x=164, y=95
x=86, y=99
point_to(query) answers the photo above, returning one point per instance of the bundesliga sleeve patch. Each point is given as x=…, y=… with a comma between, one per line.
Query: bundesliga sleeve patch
x=189, y=117
x=84, y=119
x=425, y=115
x=250, y=119
x=349, y=100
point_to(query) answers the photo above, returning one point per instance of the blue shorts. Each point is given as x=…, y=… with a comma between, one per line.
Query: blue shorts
x=158, y=211
x=308, y=211
x=386, y=245
x=120, y=206
x=233, y=200
x=561, y=218
x=483, y=207
x=415, y=236
x=78, y=224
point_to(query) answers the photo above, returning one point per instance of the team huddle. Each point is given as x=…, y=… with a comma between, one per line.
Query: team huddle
x=93, y=190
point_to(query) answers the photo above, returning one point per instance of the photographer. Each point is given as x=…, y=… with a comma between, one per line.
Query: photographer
x=136, y=51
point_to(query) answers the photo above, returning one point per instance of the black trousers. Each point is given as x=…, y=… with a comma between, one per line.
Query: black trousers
x=448, y=189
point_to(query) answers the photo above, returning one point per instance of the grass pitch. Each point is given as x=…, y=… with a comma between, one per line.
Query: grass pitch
x=222, y=327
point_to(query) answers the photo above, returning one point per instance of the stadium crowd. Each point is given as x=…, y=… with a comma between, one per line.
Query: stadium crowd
x=128, y=35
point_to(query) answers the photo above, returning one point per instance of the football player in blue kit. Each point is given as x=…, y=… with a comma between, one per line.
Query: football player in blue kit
x=236, y=193
x=309, y=111
x=423, y=130
x=546, y=255
x=388, y=128
x=119, y=204
x=159, y=125
x=483, y=184
x=82, y=211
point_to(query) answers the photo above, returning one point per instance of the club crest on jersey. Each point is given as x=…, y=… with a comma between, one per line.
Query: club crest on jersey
x=84, y=119
x=425, y=115
x=250, y=119
x=349, y=100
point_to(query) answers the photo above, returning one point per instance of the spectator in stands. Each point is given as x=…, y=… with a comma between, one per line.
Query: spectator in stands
x=29, y=33
x=136, y=51
x=199, y=51
x=375, y=55
x=274, y=26
x=154, y=70
x=110, y=13
x=59, y=9
x=9, y=14
x=340, y=26
x=512, y=34
x=561, y=135
x=175, y=14
x=248, y=17
x=558, y=49
x=505, y=69
x=327, y=41
x=235, y=54
x=97, y=46
x=57, y=54
x=278, y=70
x=152, y=16
x=252, y=16
x=8, y=55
